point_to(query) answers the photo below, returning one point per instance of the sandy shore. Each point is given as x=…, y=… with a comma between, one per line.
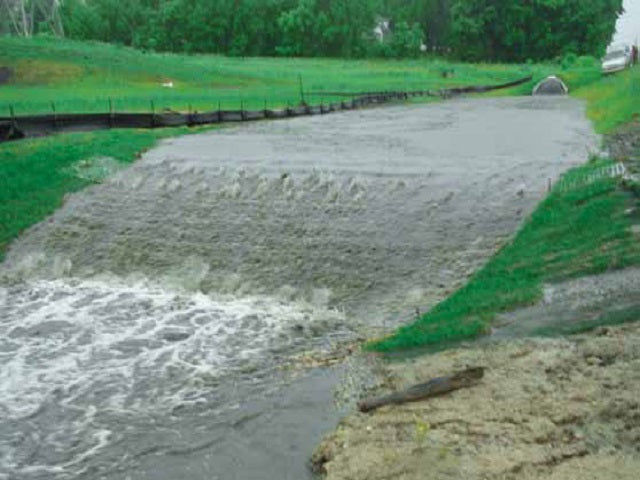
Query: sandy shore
x=547, y=408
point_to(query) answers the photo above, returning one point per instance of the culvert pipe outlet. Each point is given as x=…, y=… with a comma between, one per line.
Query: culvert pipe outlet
x=551, y=86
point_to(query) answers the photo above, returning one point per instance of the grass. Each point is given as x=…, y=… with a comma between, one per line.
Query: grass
x=575, y=231
x=83, y=76
x=565, y=237
x=35, y=175
x=614, y=100
x=580, y=228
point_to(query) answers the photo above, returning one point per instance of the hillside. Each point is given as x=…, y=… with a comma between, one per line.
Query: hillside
x=83, y=77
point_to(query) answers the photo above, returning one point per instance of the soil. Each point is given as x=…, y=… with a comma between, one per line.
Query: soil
x=624, y=144
x=547, y=408
x=572, y=303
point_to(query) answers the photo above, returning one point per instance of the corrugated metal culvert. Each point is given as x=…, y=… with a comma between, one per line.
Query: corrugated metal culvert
x=551, y=86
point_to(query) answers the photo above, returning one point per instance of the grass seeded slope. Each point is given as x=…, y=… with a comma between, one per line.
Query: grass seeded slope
x=82, y=77
x=36, y=174
x=581, y=228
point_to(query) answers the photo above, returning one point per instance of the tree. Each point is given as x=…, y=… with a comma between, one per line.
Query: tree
x=406, y=42
x=533, y=29
x=433, y=16
x=328, y=27
x=26, y=17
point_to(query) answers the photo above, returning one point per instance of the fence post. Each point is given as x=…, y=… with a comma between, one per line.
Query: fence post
x=55, y=116
x=265, y=108
x=12, y=113
x=110, y=113
x=242, y=117
x=219, y=111
x=153, y=114
x=301, y=90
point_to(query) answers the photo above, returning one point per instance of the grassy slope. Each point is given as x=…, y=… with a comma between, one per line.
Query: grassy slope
x=581, y=228
x=613, y=100
x=36, y=174
x=81, y=77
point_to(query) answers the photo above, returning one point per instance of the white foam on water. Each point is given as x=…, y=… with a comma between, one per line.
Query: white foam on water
x=75, y=353
x=74, y=337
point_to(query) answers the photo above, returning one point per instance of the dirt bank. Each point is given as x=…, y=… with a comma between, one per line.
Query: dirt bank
x=559, y=409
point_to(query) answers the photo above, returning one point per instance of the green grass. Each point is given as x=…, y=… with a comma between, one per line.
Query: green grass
x=580, y=228
x=614, y=100
x=565, y=237
x=83, y=76
x=36, y=174
x=575, y=231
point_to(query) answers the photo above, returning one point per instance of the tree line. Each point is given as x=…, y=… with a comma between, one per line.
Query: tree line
x=487, y=30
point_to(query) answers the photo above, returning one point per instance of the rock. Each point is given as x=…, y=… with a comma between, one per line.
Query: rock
x=175, y=335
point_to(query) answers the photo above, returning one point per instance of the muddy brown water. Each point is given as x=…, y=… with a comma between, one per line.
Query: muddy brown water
x=144, y=323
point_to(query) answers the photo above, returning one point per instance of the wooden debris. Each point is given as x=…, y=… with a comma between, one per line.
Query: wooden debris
x=432, y=388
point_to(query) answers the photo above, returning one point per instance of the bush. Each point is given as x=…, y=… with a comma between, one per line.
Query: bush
x=568, y=61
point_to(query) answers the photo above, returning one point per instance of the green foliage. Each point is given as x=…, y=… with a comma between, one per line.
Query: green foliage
x=539, y=29
x=492, y=30
x=565, y=237
x=568, y=61
x=613, y=100
x=406, y=42
x=432, y=17
x=233, y=27
x=35, y=174
x=83, y=76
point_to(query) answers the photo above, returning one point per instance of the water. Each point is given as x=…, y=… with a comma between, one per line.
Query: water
x=146, y=322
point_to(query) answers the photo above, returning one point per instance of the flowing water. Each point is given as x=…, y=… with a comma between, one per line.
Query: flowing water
x=145, y=323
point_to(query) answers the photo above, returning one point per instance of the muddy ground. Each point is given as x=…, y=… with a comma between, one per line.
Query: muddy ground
x=547, y=409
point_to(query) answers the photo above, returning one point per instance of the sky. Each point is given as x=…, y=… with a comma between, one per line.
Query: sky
x=628, y=28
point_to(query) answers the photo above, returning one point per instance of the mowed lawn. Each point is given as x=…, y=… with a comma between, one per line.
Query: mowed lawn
x=86, y=76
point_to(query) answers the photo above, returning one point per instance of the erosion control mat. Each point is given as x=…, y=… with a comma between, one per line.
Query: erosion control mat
x=16, y=127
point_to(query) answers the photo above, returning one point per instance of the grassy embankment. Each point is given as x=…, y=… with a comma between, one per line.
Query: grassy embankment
x=581, y=228
x=36, y=174
x=82, y=77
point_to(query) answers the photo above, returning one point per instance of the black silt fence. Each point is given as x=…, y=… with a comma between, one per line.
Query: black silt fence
x=17, y=127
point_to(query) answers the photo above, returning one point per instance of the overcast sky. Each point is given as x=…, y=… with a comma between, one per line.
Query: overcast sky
x=629, y=23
